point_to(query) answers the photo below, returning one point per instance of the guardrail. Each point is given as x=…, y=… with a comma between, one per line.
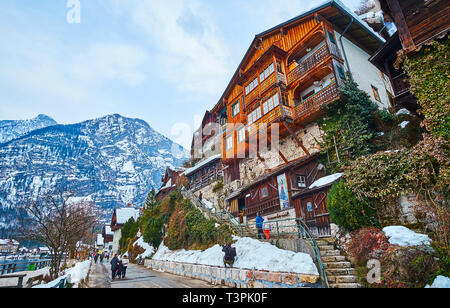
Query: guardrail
x=9, y=268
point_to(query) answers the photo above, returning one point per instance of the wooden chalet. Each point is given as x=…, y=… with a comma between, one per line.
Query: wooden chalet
x=418, y=22
x=173, y=178
x=205, y=172
x=288, y=73
x=107, y=234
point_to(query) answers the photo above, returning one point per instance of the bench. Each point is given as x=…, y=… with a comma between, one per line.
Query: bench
x=19, y=283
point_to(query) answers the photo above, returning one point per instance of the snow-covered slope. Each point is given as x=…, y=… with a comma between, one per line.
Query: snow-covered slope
x=11, y=129
x=112, y=160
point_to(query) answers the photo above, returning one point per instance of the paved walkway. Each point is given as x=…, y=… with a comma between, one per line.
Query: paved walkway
x=141, y=277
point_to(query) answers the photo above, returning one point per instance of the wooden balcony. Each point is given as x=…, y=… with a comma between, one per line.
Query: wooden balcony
x=273, y=79
x=400, y=84
x=204, y=180
x=275, y=115
x=313, y=103
x=309, y=63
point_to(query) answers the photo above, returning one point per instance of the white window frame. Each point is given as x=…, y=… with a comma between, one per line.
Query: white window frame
x=229, y=143
x=241, y=134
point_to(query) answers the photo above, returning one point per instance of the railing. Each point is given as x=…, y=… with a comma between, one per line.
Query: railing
x=9, y=268
x=309, y=63
x=316, y=101
x=296, y=226
x=400, y=84
x=206, y=179
x=272, y=116
x=334, y=50
x=272, y=79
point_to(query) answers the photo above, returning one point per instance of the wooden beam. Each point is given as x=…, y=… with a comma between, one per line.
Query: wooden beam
x=402, y=26
x=299, y=142
x=283, y=157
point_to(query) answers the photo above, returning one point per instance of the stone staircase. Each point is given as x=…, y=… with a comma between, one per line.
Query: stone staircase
x=339, y=271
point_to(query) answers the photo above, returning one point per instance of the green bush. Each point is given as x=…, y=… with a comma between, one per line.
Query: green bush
x=347, y=211
x=128, y=232
x=154, y=232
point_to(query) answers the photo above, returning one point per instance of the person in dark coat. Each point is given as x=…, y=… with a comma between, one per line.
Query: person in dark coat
x=259, y=226
x=230, y=254
x=122, y=270
x=102, y=255
x=96, y=257
x=114, y=265
x=200, y=197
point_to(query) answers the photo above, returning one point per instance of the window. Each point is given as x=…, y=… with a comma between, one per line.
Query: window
x=235, y=109
x=341, y=71
x=301, y=181
x=229, y=143
x=252, y=85
x=376, y=94
x=331, y=36
x=241, y=134
x=271, y=103
x=254, y=116
x=264, y=192
x=266, y=72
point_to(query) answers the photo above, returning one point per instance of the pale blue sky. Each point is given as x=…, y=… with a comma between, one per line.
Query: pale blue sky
x=162, y=61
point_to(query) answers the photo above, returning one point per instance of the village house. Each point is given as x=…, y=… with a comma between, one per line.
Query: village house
x=266, y=117
x=173, y=178
x=108, y=236
x=8, y=246
x=418, y=22
x=119, y=218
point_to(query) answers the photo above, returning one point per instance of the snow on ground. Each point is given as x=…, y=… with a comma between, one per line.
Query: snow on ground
x=400, y=235
x=403, y=111
x=29, y=274
x=251, y=254
x=441, y=282
x=149, y=250
x=326, y=180
x=77, y=273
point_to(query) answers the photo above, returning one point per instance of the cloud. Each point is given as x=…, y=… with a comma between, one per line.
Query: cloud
x=187, y=42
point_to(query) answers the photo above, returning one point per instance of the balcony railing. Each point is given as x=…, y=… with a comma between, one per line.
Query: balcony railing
x=272, y=116
x=309, y=63
x=265, y=85
x=400, y=84
x=315, y=102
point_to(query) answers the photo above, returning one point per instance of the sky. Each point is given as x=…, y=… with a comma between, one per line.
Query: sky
x=163, y=61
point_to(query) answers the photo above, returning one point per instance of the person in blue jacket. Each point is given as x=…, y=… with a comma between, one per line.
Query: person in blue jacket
x=259, y=226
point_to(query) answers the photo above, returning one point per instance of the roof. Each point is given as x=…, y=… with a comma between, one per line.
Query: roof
x=339, y=15
x=124, y=214
x=99, y=239
x=203, y=163
x=108, y=230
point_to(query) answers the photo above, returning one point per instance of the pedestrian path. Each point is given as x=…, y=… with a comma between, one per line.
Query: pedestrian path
x=99, y=276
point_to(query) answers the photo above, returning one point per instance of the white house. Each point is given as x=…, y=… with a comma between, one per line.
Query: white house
x=119, y=218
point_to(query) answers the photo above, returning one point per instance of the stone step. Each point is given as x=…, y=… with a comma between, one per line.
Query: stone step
x=329, y=253
x=342, y=279
x=345, y=285
x=340, y=271
x=327, y=259
x=326, y=247
x=325, y=241
x=346, y=265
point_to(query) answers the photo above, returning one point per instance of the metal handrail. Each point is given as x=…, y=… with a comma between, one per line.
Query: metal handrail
x=300, y=228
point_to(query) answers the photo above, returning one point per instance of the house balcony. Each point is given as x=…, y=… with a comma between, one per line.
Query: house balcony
x=400, y=84
x=274, y=79
x=276, y=115
x=310, y=106
x=314, y=60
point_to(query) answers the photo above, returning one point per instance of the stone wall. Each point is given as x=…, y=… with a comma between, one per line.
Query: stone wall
x=235, y=277
x=252, y=168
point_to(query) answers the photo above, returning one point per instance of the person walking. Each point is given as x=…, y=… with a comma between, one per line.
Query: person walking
x=102, y=255
x=267, y=226
x=200, y=197
x=230, y=254
x=114, y=265
x=259, y=226
x=95, y=257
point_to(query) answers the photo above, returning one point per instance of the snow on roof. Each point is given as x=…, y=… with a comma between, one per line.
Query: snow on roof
x=100, y=239
x=124, y=214
x=8, y=242
x=326, y=180
x=202, y=163
x=402, y=236
x=251, y=254
x=403, y=111
x=108, y=230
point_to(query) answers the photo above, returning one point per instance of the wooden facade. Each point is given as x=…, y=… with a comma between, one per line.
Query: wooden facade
x=204, y=173
x=172, y=179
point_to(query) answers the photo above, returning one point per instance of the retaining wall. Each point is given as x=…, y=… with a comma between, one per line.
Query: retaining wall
x=235, y=277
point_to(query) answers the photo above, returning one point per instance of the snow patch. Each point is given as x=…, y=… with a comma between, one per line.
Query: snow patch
x=326, y=180
x=402, y=236
x=440, y=282
x=149, y=250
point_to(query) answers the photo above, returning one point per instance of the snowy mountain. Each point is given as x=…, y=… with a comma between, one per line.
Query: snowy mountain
x=112, y=160
x=10, y=130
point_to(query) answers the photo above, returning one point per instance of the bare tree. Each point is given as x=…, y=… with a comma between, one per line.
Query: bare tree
x=58, y=223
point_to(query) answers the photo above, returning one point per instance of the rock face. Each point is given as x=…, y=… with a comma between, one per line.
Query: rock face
x=11, y=129
x=112, y=160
